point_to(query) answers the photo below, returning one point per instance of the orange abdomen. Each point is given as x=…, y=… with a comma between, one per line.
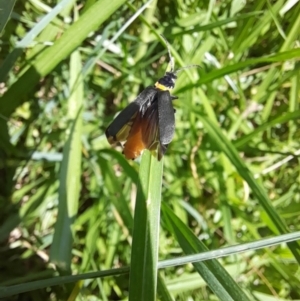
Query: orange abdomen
x=134, y=144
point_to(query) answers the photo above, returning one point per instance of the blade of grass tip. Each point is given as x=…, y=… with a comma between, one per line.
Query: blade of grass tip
x=6, y=7
x=226, y=146
x=99, y=12
x=216, y=277
x=144, y=254
x=61, y=248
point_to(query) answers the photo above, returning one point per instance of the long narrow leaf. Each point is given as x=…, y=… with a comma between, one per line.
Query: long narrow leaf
x=211, y=271
x=263, y=243
x=144, y=256
x=61, y=248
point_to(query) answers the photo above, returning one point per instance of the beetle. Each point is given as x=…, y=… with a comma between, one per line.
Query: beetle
x=149, y=121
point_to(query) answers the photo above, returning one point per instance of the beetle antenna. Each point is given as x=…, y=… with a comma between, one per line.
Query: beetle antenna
x=169, y=51
x=187, y=67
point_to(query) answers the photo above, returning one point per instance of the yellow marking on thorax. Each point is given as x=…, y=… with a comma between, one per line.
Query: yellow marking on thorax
x=161, y=87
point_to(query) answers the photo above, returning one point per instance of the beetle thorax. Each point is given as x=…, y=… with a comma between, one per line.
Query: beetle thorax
x=167, y=82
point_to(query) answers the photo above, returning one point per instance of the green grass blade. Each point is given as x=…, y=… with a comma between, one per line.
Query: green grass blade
x=231, y=250
x=216, y=277
x=294, y=104
x=144, y=254
x=6, y=7
x=226, y=146
x=162, y=290
x=269, y=77
x=276, y=21
x=52, y=56
x=129, y=170
x=254, y=29
x=117, y=197
x=91, y=63
x=278, y=57
x=239, y=143
x=61, y=248
x=213, y=25
x=58, y=280
x=10, y=60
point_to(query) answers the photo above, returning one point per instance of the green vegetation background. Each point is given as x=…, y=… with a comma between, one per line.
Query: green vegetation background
x=231, y=174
